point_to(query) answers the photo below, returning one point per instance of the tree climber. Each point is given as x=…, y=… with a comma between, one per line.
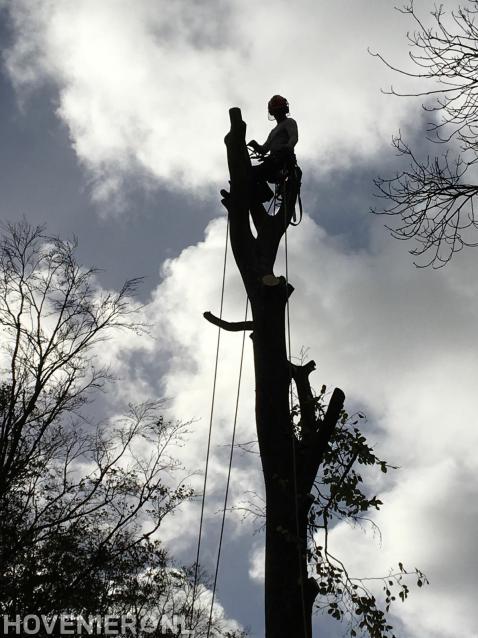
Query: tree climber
x=279, y=145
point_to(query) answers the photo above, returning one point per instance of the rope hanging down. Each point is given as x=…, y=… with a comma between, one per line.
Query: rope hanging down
x=210, y=430
x=209, y=450
x=228, y=473
x=291, y=405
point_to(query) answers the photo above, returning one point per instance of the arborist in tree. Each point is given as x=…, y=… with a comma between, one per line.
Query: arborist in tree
x=277, y=152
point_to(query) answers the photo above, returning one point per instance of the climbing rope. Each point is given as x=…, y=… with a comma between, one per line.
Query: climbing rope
x=298, y=177
x=228, y=474
x=224, y=509
x=291, y=404
x=201, y=520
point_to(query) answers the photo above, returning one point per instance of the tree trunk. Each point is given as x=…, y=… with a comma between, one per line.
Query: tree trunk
x=290, y=460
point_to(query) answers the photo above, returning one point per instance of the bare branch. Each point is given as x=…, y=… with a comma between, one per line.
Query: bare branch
x=231, y=326
x=433, y=197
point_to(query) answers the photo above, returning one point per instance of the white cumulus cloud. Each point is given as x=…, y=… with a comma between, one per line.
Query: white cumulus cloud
x=399, y=342
x=144, y=88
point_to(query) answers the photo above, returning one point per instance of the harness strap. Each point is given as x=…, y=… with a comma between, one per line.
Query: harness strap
x=294, y=221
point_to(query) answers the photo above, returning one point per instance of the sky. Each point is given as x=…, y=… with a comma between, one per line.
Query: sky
x=112, y=119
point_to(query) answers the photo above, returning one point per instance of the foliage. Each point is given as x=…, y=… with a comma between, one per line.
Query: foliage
x=340, y=495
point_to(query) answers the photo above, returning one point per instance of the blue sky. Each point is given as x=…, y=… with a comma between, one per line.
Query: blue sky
x=112, y=118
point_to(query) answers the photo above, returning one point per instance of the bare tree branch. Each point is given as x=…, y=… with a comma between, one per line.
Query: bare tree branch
x=436, y=197
x=234, y=326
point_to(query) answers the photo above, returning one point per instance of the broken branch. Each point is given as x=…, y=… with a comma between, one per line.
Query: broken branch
x=300, y=374
x=231, y=326
x=331, y=417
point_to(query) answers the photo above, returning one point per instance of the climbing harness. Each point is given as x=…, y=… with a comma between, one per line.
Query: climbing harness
x=288, y=174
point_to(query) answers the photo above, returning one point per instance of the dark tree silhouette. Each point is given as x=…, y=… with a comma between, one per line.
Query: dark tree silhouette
x=81, y=500
x=289, y=593
x=79, y=506
x=435, y=197
x=294, y=441
x=290, y=459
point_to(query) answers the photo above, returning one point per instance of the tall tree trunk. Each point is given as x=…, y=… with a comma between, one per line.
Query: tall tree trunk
x=290, y=460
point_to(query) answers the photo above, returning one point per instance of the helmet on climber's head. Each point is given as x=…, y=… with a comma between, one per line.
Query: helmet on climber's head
x=277, y=105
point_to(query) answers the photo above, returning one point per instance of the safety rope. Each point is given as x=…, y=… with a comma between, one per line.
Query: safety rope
x=291, y=402
x=228, y=474
x=210, y=430
x=298, y=177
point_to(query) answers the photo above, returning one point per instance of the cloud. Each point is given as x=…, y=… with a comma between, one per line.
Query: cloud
x=399, y=342
x=177, y=361
x=144, y=88
x=256, y=564
x=429, y=521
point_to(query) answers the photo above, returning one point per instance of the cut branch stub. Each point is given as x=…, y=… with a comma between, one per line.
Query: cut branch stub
x=330, y=419
x=243, y=243
x=300, y=374
x=231, y=326
x=239, y=162
x=314, y=444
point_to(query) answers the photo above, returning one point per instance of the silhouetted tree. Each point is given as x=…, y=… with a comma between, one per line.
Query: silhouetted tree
x=80, y=502
x=435, y=197
x=289, y=592
x=294, y=441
